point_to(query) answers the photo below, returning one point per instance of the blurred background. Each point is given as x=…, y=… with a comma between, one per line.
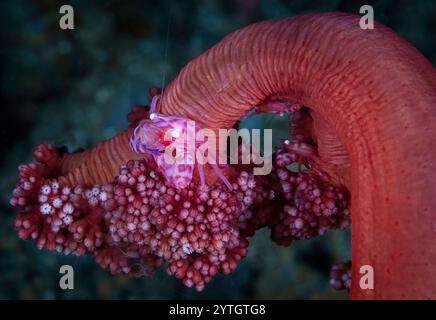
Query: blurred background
x=75, y=87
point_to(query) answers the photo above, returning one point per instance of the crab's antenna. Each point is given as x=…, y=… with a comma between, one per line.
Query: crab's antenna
x=153, y=106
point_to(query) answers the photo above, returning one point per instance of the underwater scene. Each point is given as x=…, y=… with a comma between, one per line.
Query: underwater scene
x=336, y=98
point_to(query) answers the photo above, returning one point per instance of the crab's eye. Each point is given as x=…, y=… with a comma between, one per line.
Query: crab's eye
x=175, y=133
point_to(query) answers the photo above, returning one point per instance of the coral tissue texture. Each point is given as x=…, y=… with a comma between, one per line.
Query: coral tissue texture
x=366, y=134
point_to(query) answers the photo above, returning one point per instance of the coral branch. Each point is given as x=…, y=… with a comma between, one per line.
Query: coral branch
x=362, y=91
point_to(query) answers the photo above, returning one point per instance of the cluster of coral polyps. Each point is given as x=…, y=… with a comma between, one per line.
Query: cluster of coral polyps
x=340, y=276
x=139, y=222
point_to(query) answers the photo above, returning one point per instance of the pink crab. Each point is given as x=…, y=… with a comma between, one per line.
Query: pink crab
x=171, y=140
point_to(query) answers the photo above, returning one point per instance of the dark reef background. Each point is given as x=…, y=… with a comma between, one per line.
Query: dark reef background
x=75, y=88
